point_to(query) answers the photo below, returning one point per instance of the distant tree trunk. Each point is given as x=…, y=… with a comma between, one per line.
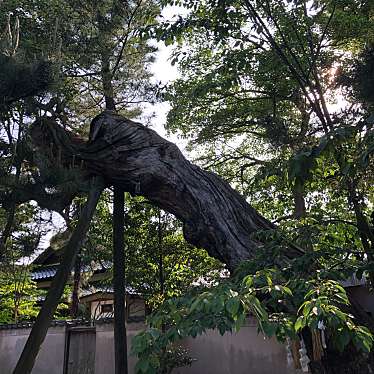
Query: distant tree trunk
x=119, y=283
x=43, y=321
x=106, y=77
x=365, y=231
x=299, y=203
x=11, y=213
x=76, y=282
x=7, y=230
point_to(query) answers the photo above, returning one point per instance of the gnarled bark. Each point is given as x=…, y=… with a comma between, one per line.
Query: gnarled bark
x=136, y=158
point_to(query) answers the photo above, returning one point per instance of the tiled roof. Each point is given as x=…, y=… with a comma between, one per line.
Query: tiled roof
x=44, y=273
x=353, y=281
x=47, y=272
x=108, y=290
x=69, y=323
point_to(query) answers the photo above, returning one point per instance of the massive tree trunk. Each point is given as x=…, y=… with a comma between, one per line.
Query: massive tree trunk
x=136, y=158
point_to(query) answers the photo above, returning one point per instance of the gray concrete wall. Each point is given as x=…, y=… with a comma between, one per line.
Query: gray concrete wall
x=237, y=353
x=104, y=359
x=240, y=353
x=50, y=359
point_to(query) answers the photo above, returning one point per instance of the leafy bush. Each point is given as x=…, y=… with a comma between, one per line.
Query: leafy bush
x=282, y=309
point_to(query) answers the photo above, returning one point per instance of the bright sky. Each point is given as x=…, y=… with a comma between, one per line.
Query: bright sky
x=165, y=73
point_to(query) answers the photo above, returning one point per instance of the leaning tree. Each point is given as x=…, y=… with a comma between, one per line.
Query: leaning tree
x=136, y=159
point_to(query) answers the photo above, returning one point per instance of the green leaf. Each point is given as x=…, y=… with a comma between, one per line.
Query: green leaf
x=300, y=323
x=343, y=337
x=269, y=328
x=287, y=290
x=232, y=306
x=142, y=366
x=195, y=305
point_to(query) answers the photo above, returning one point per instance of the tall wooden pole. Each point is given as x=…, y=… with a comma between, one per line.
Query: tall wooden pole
x=44, y=318
x=119, y=283
x=161, y=255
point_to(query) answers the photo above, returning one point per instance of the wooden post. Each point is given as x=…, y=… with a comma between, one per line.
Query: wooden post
x=119, y=283
x=39, y=330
